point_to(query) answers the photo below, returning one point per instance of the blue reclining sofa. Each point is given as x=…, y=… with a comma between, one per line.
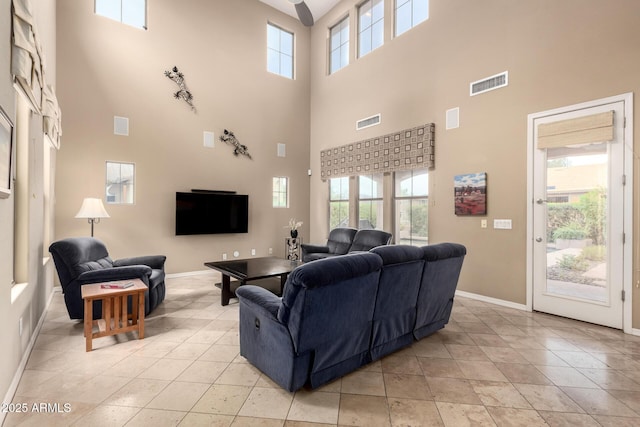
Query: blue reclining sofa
x=340, y=313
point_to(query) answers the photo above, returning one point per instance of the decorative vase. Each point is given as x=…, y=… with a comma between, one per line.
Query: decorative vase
x=294, y=234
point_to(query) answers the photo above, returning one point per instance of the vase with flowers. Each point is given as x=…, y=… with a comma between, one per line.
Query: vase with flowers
x=293, y=227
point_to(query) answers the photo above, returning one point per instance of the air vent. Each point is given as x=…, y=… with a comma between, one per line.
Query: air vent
x=368, y=122
x=488, y=84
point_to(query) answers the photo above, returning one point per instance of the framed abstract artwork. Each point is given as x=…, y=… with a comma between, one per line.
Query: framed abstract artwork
x=470, y=194
x=6, y=154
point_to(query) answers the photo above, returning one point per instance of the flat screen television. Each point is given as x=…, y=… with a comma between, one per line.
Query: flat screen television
x=211, y=213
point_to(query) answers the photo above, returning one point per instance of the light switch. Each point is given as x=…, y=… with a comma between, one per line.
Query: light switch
x=483, y=223
x=502, y=224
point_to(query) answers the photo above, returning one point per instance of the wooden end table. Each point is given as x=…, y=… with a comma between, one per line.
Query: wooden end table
x=115, y=311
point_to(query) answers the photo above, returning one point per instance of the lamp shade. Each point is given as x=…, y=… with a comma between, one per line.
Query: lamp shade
x=92, y=208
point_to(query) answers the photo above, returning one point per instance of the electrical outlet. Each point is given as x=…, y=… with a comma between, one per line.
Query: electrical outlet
x=483, y=223
x=253, y=252
x=224, y=257
x=270, y=251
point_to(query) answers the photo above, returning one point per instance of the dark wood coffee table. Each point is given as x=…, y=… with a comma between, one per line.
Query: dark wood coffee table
x=245, y=270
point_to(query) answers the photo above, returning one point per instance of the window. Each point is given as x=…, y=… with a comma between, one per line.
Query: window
x=410, y=13
x=338, y=202
x=120, y=183
x=412, y=207
x=279, y=51
x=130, y=12
x=339, y=46
x=371, y=26
x=370, y=202
x=280, y=192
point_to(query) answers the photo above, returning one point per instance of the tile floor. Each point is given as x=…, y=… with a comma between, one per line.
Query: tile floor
x=490, y=366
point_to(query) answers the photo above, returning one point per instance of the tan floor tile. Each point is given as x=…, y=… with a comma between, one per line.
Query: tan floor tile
x=267, y=403
x=179, y=396
x=447, y=337
x=503, y=355
x=566, y=376
x=541, y=357
x=131, y=366
x=499, y=394
x=609, y=379
x=222, y=399
x=203, y=372
x=256, y=422
x=446, y=368
x=357, y=410
x=526, y=374
x=507, y=331
x=629, y=398
x=205, y=337
x=453, y=390
x=407, y=386
x=579, y=359
x=108, y=415
x=406, y=412
x=398, y=364
x=189, y=351
x=547, y=398
x=489, y=340
x=564, y=419
x=611, y=421
x=156, y=418
x=221, y=353
x=156, y=348
x=166, y=369
x=511, y=417
x=475, y=327
x=466, y=352
x=478, y=370
x=424, y=348
x=193, y=419
x=138, y=392
x=290, y=423
x=315, y=407
x=363, y=382
x=239, y=374
x=595, y=401
x=458, y=414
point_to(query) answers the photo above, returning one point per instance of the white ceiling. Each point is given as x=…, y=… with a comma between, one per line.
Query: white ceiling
x=318, y=7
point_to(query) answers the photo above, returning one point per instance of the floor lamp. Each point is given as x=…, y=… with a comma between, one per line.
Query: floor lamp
x=93, y=210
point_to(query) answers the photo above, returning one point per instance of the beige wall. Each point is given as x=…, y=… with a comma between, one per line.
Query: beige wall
x=107, y=69
x=28, y=300
x=557, y=54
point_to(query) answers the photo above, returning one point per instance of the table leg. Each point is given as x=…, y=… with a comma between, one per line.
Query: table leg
x=88, y=323
x=226, y=290
x=140, y=315
x=283, y=280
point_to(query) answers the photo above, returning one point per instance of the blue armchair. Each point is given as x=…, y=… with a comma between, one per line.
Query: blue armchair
x=338, y=243
x=83, y=260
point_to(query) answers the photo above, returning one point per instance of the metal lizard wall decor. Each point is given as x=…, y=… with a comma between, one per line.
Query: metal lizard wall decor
x=231, y=139
x=183, y=93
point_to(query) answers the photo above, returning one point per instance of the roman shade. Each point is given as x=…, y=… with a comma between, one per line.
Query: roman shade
x=27, y=68
x=582, y=130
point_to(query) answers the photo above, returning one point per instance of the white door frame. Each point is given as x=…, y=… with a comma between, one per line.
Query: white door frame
x=627, y=98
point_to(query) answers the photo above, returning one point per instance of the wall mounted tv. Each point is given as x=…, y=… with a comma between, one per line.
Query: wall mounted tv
x=211, y=212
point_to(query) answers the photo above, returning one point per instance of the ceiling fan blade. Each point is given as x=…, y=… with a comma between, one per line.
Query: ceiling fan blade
x=304, y=14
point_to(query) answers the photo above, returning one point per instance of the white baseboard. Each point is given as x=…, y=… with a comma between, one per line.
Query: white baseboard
x=635, y=332
x=191, y=273
x=25, y=357
x=495, y=301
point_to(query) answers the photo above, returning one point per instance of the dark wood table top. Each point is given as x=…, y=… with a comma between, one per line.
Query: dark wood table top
x=254, y=268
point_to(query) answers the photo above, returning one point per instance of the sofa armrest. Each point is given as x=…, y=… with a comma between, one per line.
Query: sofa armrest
x=260, y=300
x=309, y=248
x=154, y=261
x=117, y=273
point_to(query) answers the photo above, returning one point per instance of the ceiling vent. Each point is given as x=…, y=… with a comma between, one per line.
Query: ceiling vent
x=488, y=84
x=368, y=122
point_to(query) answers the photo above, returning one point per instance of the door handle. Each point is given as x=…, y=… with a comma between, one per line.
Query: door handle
x=538, y=239
x=541, y=201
